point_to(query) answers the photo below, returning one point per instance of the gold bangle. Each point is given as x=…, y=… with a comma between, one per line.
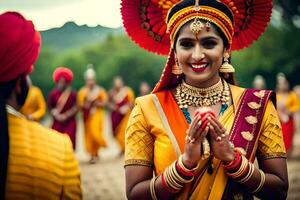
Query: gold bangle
x=241, y=170
x=206, y=149
x=180, y=162
x=262, y=181
x=170, y=180
x=178, y=177
x=249, y=174
x=152, y=188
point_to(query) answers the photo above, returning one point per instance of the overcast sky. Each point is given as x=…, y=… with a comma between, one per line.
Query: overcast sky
x=54, y=13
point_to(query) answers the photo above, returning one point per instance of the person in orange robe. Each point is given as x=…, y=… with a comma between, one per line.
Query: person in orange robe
x=92, y=99
x=62, y=104
x=287, y=106
x=35, y=162
x=34, y=107
x=121, y=101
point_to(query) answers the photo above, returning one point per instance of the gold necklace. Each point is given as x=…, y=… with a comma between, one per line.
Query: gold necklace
x=187, y=95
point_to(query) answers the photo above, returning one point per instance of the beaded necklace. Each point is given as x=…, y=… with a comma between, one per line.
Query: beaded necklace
x=187, y=95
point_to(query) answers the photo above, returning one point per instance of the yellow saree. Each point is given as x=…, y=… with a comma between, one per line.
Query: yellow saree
x=155, y=138
x=93, y=118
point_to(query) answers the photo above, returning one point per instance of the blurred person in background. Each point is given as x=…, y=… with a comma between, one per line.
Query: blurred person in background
x=62, y=103
x=296, y=90
x=121, y=101
x=259, y=82
x=144, y=89
x=34, y=107
x=287, y=106
x=35, y=162
x=92, y=99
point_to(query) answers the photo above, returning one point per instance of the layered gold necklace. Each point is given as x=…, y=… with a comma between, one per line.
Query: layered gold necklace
x=187, y=95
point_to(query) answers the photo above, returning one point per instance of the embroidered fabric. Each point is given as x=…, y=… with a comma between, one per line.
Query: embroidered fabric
x=271, y=142
x=139, y=143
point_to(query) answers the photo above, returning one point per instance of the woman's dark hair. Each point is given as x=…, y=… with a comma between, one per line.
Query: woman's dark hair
x=5, y=92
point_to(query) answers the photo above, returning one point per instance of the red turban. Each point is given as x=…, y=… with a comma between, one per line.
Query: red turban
x=63, y=72
x=19, y=45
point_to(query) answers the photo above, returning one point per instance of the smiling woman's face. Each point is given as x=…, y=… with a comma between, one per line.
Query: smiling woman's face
x=200, y=56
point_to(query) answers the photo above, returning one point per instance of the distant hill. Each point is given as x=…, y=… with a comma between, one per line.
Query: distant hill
x=71, y=36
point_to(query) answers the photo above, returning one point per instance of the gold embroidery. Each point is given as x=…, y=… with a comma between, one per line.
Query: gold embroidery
x=138, y=162
x=247, y=135
x=272, y=155
x=251, y=119
x=254, y=105
x=260, y=94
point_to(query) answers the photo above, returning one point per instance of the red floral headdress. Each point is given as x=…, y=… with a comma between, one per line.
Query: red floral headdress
x=146, y=23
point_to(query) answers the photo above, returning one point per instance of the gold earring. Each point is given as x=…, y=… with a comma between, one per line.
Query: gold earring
x=226, y=67
x=176, y=70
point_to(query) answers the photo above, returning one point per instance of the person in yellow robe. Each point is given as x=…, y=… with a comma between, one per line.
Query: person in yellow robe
x=287, y=106
x=198, y=134
x=35, y=162
x=92, y=99
x=35, y=105
x=121, y=100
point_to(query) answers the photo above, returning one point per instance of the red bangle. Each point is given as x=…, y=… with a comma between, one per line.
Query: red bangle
x=165, y=185
x=235, y=164
x=183, y=172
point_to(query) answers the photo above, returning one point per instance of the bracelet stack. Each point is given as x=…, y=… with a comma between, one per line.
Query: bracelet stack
x=176, y=176
x=241, y=170
x=152, y=188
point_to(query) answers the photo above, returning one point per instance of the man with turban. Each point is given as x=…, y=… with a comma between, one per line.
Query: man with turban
x=35, y=162
x=62, y=103
x=92, y=99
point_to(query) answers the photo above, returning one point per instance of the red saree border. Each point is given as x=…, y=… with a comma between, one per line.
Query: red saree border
x=249, y=119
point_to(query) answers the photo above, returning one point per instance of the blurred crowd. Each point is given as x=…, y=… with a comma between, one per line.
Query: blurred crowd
x=91, y=102
x=288, y=107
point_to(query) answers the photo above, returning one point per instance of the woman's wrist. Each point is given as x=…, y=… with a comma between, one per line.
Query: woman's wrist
x=228, y=158
x=187, y=162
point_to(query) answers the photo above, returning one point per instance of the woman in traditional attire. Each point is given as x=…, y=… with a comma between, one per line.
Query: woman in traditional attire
x=288, y=105
x=62, y=104
x=34, y=107
x=92, y=99
x=121, y=100
x=193, y=157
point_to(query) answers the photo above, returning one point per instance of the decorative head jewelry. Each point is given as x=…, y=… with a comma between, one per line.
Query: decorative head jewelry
x=196, y=26
x=153, y=24
x=207, y=13
x=144, y=19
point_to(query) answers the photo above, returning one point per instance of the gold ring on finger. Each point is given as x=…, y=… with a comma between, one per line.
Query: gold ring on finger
x=192, y=140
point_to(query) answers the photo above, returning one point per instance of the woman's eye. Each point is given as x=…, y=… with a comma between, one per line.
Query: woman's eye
x=186, y=44
x=209, y=44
